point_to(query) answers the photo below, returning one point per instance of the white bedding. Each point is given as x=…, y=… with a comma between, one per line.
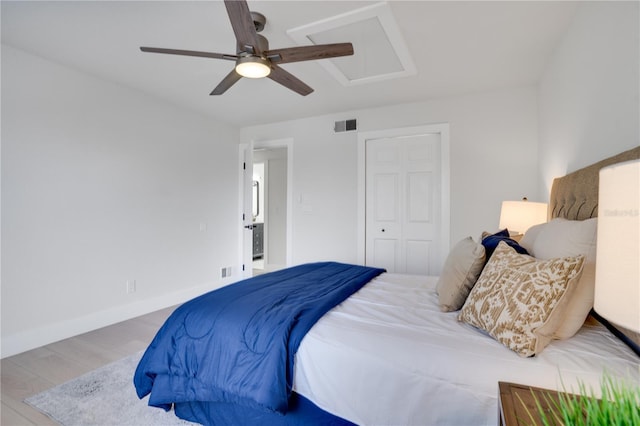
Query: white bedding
x=387, y=355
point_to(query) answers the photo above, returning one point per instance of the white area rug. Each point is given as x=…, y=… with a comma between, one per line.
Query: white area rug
x=104, y=397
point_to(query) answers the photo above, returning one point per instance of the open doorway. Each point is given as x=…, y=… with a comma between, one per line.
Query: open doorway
x=266, y=205
x=269, y=208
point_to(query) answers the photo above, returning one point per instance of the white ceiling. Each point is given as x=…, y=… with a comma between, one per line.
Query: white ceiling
x=457, y=47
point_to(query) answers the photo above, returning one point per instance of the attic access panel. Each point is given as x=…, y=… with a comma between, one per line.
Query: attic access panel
x=380, y=50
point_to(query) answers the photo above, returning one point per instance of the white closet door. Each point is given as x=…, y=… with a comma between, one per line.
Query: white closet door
x=403, y=203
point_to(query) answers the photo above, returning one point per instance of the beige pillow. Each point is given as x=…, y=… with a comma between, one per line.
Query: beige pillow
x=562, y=238
x=519, y=300
x=459, y=273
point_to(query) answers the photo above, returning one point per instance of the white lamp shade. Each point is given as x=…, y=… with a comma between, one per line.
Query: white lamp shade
x=617, y=293
x=519, y=216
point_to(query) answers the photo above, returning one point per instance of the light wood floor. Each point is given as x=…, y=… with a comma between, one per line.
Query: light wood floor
x=31, y=372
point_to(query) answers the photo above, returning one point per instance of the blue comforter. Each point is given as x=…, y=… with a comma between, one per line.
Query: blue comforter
x=237, y=344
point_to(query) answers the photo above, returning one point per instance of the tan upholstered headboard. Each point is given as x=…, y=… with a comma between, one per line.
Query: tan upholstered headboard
x=575, y=196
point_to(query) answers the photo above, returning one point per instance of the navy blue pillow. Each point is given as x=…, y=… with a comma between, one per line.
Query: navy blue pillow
x=491, y=242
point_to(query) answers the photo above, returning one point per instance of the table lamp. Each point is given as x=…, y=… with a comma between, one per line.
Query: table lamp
x=519, y=216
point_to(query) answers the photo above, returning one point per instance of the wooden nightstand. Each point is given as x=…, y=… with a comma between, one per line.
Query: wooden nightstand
x=511, y=410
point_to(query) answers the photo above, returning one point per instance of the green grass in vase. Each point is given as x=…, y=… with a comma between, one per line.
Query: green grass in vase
x=619, y=405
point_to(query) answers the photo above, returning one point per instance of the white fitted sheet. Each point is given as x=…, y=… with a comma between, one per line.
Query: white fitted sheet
x=388, y=355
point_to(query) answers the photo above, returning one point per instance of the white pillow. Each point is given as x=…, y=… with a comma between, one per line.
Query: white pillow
x=562, y=238
x=460, y=272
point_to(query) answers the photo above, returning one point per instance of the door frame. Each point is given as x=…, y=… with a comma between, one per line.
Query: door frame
x=443, y=130
x=245, y=253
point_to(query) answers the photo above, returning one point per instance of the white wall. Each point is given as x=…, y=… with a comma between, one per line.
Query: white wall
x=102, y=184
x=276, y=226
x=589, y=93
x=493, y=151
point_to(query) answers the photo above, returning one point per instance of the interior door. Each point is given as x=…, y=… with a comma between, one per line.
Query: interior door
x=403, y=203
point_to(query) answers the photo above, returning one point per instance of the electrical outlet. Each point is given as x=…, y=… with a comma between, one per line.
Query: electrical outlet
x=131, y=286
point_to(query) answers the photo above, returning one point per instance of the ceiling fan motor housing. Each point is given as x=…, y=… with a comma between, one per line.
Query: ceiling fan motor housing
x=263, y=46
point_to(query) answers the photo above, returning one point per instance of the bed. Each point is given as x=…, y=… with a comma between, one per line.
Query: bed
x=383, y=351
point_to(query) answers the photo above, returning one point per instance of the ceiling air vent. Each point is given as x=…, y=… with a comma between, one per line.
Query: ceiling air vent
x=345, y=126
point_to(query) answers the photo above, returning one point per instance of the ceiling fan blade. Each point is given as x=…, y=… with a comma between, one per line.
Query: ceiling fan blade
x=189, y=53
x=226, y=83
x=243, y=26
x=289, y=81
x=307, y=53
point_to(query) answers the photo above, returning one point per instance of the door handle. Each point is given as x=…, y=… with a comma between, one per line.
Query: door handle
x=250, y=227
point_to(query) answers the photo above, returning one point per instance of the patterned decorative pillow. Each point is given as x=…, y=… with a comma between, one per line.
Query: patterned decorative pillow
x=459, y=273
x=519, y=300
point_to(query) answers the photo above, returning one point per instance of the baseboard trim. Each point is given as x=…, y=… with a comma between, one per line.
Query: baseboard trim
x=34, y=338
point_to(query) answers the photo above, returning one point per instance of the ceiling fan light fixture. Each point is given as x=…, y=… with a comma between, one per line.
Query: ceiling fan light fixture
x=253, y=67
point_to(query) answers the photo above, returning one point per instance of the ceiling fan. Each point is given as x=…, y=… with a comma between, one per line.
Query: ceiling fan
x=254, y=59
